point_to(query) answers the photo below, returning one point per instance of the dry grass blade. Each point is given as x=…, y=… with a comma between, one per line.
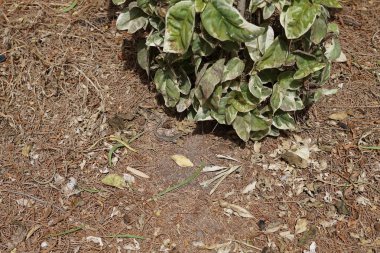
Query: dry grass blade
x=66, y=232
x=125, y=236
x=228, y=172
x=181, y=184
x=125, y=144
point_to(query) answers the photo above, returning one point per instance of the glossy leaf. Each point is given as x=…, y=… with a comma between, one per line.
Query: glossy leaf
x=299, y=18
x=180, y=21
x=275, y=56
x=223, y=22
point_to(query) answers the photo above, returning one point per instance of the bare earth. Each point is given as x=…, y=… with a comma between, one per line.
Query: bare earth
x=67, y=84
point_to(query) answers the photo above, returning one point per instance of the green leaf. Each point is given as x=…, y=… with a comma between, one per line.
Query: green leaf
x=299, y=17
x=287, y=82
x=233, y=69
x=223, y=22
x=284, y=121
x=242, y=126
x=324, y=92
x=333, y=28
x=258, y=135
x=155, y=39
x=268, y=10
x=277, y=97
x=329, y=3
x=70, y=7
x=231, y=114
x=180, y=21
x=257, y=88
x=333, y=50
x=307, y=65
x=275, y=56
x=318, y=30
x=131, y=20
x=199, y=5
x=259, y=123
x=114, y=180
x=143, y=56
x=211, y=78
x=167, y=86
x=200, y=46
x=291, y=102
x=118, y=2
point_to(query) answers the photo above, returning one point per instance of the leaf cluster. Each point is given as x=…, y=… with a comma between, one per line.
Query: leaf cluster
x=246, y=68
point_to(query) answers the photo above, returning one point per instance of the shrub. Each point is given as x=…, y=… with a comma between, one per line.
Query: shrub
x=249, y=65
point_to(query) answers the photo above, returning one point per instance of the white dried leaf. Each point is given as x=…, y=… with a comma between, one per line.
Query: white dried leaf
x=25, y=202
x=115, y=212
x=327, y=198
x=70, y=188
x=273, y=227
x=312, y=248
x=213, y=168
x=249, y=188
x=227, y=157
x=137, y=172
x=328, y=224
x=257, y=147
x=363, y=201
x=58, y=179
x=301, y=226
x=104, y=170
x=129, y=178
x=95, y=239
x=238, y=210
x=135, y=246
x=44, y=244
x=288, y=235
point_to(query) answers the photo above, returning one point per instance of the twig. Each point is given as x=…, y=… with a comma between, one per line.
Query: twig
x=181, y=184
x=124, y=236
x=248, y=245
x=34, y=198
x=66, y=232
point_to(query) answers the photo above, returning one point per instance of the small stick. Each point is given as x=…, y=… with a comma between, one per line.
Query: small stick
x=34, y=198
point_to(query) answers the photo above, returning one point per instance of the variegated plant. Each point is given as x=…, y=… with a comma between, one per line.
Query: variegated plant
x=249, y=64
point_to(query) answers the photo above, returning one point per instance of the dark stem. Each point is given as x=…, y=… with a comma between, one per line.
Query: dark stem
x=241, y=6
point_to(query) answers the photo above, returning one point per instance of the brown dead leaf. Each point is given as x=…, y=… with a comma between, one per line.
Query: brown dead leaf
x=338, y=116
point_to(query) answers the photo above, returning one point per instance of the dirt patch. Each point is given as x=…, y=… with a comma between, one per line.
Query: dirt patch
x=65, y=87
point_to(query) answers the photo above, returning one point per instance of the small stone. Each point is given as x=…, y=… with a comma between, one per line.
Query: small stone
x=261, y=225
x=377, y=227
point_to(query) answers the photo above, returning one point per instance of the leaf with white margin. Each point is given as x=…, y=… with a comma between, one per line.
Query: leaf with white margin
x=180, y=21
x=224, y=22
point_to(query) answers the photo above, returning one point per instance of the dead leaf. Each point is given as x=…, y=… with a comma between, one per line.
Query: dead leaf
x=114, y=180
x=249, y=188
x=95, y=239
x=26, y=150
x=294, y=159
x=273, y=227
x=137, y=172
x=32, y=230
x=182, y=161
x=301, y=226
x=288, y=235
x=338, y=116
x=238, y=210
x=129, y=179
x=213, y=168
x=227, y=157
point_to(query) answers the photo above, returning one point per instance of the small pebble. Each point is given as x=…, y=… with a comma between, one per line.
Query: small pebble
x=261, y=225
x=2, y=58
x=44, y=244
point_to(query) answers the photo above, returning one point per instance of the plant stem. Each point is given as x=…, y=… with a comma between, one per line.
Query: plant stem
x=241, y=6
